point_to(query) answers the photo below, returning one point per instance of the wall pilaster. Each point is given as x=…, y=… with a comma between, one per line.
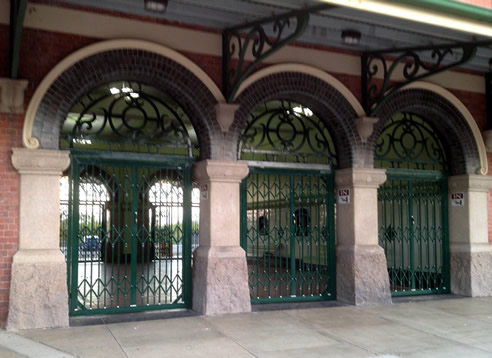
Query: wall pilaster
x=38, y=292
x=470, y=252
x=220, y=272
x=362, y=275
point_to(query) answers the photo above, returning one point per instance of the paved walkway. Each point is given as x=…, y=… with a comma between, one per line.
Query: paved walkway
x=458, y=327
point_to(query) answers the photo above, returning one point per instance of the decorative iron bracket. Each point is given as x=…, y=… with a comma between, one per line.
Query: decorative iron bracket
x=252, y=38
x=410, y=64
x=488, y=98
x=17, y=12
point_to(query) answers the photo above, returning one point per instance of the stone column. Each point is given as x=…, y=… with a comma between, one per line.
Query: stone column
x=470, y=252
x=362, y=275
x=220, y=272
x=38, y=290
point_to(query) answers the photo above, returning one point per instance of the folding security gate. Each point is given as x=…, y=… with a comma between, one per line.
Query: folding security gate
x=287, y=231
x=413, y=230
x=129, y=233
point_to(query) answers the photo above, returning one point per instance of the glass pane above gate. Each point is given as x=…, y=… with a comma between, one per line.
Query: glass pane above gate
x=409, y=142
x=129, y=116
x=285, y=131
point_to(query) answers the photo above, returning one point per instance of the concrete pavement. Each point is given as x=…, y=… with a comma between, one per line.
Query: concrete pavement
x=457, y=327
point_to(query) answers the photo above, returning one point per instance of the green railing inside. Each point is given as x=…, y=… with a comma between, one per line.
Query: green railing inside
x=287, y=231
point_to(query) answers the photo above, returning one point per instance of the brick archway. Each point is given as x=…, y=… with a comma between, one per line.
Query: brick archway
x=134, y=64
x=326, y=101
x=449, y=122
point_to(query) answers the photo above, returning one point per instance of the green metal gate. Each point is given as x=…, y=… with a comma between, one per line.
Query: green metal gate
x=413, y=231
x=413, y=207
x=287, y=231
x=129, y=232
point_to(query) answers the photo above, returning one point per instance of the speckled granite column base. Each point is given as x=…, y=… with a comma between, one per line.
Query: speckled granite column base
x=220, y=280
x=362, y=276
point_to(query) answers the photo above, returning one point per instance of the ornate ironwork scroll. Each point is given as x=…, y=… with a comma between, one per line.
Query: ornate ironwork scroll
x=285, y=131
x=488, y=96
x=410, y=64
x=256, y=40
x=408, y=142
x=129, y=116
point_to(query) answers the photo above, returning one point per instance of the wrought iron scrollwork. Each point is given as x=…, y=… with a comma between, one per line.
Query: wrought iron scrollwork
x=287, y=132
x=408, y=142
x=411, y=64
x=488, y=95
x=255, y=40
x=131, y=117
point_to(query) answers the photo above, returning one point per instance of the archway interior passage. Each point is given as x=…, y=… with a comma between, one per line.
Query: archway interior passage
x=412, y=204
x=287, y=204
x=129, y=219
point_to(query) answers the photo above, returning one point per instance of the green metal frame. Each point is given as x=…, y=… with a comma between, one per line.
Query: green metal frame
x=17, y=13
x=429, y=282
x=295, y=240
x=133, y=162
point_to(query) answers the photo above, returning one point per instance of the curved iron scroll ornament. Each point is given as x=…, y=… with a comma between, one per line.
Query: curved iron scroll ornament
x=259, y=44
x=129, y=117
x=285, y=131
x=408, y=142
x=253, y=39
x=410, y=64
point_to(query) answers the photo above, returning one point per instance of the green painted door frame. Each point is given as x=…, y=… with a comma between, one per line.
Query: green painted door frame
x=413, y=230
x=117, y=259
x=288, y=233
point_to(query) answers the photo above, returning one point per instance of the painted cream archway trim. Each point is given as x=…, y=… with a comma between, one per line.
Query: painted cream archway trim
x=482, y=151
x=32, y=143
x=308, y=70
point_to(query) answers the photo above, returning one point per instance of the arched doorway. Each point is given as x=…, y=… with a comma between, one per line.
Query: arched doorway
x=413, y=206
x=131, y=215
x=287, y=204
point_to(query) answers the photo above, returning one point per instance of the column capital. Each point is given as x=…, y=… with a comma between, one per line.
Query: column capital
x=224, y=171
x=360, y=177
x=475, y=183
x=40, y=161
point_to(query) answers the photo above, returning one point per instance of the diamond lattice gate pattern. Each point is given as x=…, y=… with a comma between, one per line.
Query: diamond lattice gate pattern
x=287, y=232
x=129, y=233
x=413, y=232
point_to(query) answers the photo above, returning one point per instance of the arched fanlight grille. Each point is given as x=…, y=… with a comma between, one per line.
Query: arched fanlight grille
x=409, y=142
x=286, y=131
x=129, y=117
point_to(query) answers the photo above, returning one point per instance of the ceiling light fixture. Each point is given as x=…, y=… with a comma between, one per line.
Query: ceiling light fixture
x=350, y=37
x=156, y=5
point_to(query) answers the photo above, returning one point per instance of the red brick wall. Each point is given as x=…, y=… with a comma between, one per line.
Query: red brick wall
x=10, y=136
